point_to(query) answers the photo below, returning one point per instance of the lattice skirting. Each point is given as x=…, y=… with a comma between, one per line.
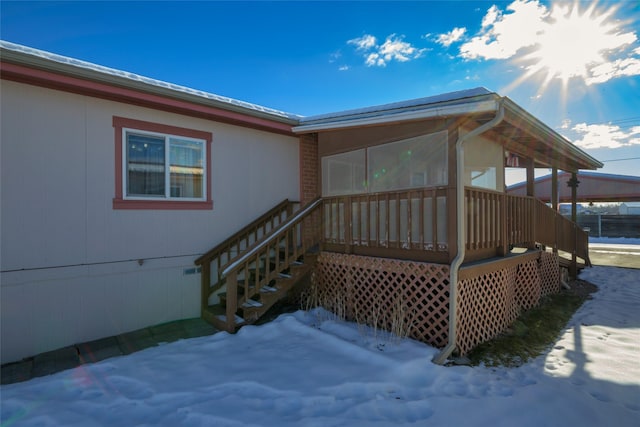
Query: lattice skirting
x=400, y=296
x=413, y=297
x=489, y=303
x=549, y=274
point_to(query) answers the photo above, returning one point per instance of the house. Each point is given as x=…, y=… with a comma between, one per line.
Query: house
x=114, y=185
x=629, y=208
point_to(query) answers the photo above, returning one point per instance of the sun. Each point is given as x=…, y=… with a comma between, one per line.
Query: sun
x=571, y=42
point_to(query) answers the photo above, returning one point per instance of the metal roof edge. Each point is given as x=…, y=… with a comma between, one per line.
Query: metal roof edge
x=35, y=58
x=399, y=106
x=433, y=111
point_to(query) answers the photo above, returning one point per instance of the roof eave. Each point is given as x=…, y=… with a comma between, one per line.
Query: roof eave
x=546, y=133
x=430, y=112
x=169, y=91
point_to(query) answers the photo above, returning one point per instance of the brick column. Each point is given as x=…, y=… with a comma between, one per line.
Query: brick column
x=309, y=183
x=309, y=168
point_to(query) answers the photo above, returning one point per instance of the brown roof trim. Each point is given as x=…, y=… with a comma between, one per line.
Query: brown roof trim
x=145, y=98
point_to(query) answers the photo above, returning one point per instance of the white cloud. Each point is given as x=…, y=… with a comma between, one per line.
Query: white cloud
x=564, y=42
x=566, y=123
x=394, y=48
x=365, y=42
x=605, y=136
x=502, y=35
x=491, y=17
x=608, y=70
x=452, y=36
x=344, y=68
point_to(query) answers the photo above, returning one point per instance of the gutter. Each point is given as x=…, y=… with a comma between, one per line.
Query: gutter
x=460, y=228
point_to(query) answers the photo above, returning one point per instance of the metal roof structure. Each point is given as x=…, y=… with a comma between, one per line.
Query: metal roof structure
x=592, y=187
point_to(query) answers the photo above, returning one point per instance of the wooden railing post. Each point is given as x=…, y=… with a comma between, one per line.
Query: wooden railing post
x=503, y=249
x=205, y=278
x=348, y=226
x=556, y=223
x=232, y=300
x=573, y=267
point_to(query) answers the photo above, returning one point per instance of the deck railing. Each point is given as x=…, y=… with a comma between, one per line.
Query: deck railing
x=213, y=262
x=405, y=222
x=556, y=231
x=413, y=225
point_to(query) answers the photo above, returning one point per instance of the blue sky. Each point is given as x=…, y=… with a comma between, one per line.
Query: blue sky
x=574, y=65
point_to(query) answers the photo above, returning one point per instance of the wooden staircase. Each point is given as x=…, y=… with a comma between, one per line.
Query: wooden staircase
x=243, y=277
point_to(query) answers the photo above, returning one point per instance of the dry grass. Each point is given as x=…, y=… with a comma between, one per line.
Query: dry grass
x=393, y=317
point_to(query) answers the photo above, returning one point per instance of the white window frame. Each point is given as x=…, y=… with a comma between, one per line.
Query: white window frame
x=167, y=162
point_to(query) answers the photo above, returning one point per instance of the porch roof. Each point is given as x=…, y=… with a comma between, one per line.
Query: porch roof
x=520, y=132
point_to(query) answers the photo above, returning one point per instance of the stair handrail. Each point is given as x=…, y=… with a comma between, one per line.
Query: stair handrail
x=578, y=240
x=213, y=252
x=270, y=237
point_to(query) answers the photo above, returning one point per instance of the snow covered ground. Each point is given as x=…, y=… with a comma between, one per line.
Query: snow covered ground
x=614, y=240
x=307, y=369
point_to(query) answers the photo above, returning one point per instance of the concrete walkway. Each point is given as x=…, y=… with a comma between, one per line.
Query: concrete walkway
x=95, y=351
x=615, y=255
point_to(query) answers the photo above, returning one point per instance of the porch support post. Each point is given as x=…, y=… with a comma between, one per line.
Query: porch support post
x=554, y=204
x=531, y=192
x=573, y=184
x=554, y=188
x=531, y=178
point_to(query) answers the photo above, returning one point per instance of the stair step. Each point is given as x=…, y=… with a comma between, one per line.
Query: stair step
x=238, y=320
x=253, y=306
x=250, y=303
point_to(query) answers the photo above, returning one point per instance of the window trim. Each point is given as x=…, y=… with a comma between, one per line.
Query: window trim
x=121, y=124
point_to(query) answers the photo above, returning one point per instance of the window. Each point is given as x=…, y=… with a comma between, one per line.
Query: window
x=410, y=163
x=343, y=173
x=161, y=167
x=483, y=164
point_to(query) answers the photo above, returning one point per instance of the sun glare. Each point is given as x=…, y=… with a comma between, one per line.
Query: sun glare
x=571, y=42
